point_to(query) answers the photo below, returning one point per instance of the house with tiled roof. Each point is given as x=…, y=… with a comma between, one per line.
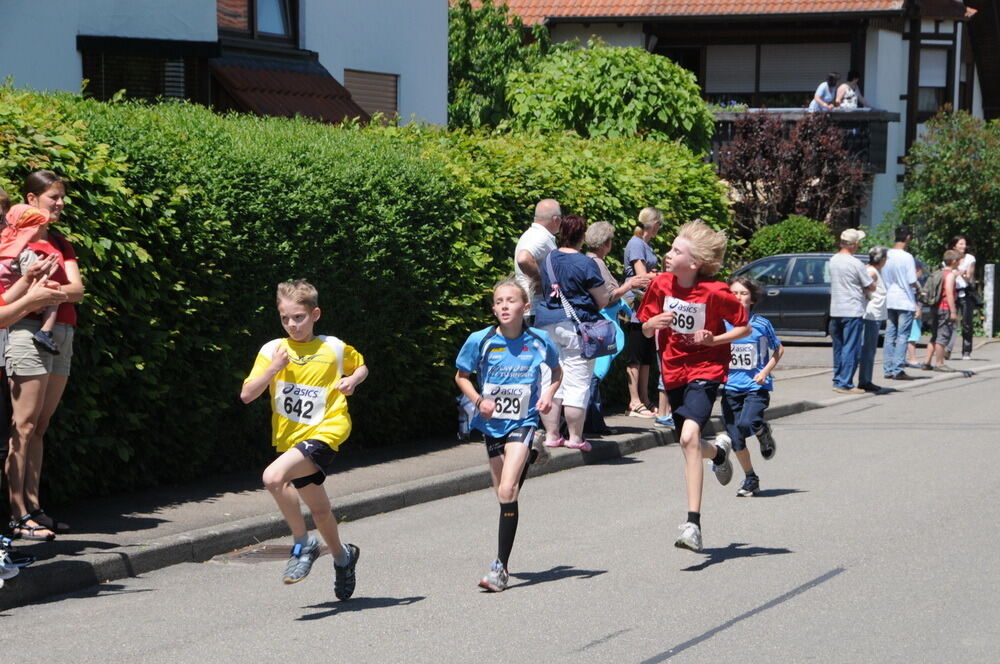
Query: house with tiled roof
x=914, y=56
x=324, y=59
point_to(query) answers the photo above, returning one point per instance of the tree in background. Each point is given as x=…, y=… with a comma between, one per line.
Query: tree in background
x=953, y=186
x=605, y=91
x=484, y=45
x=774, y=172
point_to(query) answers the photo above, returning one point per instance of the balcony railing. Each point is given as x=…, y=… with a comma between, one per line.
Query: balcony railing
x=865, y=131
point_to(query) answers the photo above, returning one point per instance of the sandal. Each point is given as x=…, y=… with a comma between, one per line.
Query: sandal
x=642, y=410
x=53, y=524
x=21, y=530
x=558, y=442
x=583, y=445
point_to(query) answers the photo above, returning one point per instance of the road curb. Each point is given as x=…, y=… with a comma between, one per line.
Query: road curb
x=70, y=574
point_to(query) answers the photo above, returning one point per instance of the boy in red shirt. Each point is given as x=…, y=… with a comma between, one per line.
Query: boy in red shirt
x=686, y=309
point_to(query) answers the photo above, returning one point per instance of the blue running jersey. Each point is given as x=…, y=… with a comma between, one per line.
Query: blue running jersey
x=509, y=372
x=750, y=354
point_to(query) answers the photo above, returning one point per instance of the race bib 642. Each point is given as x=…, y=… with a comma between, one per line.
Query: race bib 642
x=305, y=404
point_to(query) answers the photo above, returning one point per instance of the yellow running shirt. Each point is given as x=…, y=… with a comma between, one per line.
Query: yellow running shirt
x=304, y=400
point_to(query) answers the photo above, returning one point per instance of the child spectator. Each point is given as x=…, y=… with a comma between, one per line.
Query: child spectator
x=687, y=310
x=310, y=378
x=945, y=315
x=747, y=392
x=507, y=359
x=25, y=224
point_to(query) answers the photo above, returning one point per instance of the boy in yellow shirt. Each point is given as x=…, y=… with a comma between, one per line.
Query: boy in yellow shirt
x=310, y=378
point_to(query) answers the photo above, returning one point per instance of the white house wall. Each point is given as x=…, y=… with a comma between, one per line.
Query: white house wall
x=188, y=20
x=40, y=53
x=628, y=34
x=408, y=38
x=886, y=66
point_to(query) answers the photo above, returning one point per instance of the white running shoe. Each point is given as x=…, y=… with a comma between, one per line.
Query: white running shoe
x=8, y=570
x=724, y=472
x=690, y=537
x=496, y=578
x=538, y=444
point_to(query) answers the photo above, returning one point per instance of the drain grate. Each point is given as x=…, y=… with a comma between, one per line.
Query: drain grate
x=261, y=553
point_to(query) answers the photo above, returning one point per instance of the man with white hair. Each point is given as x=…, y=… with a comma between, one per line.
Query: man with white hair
x=849, y=281
x=532, y=248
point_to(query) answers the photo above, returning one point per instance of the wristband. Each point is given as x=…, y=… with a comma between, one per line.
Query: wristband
x=479, y=401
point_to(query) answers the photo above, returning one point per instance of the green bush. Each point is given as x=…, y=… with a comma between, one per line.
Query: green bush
x=610, y=91
x=953, y=187
x=792, y=236
x=185, y=220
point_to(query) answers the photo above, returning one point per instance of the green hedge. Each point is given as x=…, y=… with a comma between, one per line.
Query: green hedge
x=185, y=220
x=794, y=235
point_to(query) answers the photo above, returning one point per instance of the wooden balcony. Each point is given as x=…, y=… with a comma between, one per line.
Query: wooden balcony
x=866, y=131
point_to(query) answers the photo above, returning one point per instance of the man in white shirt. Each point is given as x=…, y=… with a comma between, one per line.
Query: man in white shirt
x=900, y=277
x=849, y=281
x=532, y=248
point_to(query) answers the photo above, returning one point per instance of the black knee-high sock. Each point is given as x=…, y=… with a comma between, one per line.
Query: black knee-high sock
x=508, y=528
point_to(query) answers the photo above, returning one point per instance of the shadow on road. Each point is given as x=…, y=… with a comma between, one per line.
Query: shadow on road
x=774, y=493
x=557, y=573
x=732, y=552
x=357, y=604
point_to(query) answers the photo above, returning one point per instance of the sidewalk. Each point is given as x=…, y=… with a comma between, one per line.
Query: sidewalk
x=124, y=536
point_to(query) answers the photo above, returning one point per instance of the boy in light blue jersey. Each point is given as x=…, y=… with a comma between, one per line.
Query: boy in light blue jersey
x=507, y=360
x=747, y=392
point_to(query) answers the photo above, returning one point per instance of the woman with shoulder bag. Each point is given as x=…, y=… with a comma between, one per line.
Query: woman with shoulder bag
x=571, y=277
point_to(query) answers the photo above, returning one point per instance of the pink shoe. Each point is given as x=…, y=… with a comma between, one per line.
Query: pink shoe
x=583, y=445
x=558, y=442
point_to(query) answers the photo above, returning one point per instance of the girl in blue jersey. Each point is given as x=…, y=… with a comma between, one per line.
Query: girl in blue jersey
x=747, y=391
x=507, y=359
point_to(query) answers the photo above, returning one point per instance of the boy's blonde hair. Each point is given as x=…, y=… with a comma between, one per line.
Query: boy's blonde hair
x=299, y=291
x=708, y=247
x=951, y=256
x=509, y=281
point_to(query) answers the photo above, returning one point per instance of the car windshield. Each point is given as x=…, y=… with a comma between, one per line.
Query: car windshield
x=769, y=273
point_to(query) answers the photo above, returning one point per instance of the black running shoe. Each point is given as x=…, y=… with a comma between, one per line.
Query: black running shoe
x=767, y=445
x=751, y=485
x=343, y=584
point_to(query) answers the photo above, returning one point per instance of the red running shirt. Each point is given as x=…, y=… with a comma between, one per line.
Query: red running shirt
x=704, y=306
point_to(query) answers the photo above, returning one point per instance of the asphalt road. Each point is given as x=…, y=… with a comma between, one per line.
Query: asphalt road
x=873, y=541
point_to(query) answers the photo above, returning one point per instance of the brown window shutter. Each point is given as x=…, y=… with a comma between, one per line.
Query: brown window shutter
x=374, y=92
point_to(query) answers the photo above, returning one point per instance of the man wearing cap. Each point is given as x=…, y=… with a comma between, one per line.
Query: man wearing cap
x=849, y=281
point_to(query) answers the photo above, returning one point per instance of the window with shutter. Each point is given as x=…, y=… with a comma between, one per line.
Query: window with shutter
x=374, y=92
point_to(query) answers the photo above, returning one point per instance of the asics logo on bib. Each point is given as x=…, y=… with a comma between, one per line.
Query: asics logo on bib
x=299, y=391
x=680, y=306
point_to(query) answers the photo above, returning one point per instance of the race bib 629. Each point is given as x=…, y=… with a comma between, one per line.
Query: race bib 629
x=511, y=400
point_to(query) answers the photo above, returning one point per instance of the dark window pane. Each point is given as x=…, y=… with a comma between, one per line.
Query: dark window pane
x=272, y=17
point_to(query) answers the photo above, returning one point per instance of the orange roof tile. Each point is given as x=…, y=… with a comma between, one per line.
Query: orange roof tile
x=533, y=11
